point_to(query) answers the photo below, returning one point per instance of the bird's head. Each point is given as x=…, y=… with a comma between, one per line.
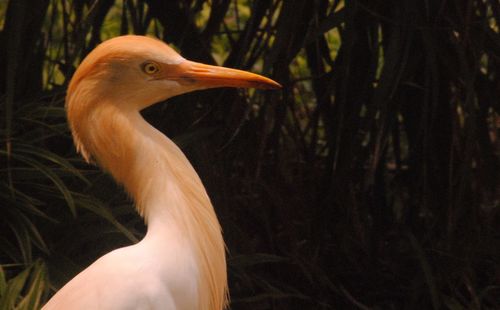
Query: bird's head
x=137, y=71
x=129, y=73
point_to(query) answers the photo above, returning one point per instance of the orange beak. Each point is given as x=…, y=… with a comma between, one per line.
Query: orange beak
x=206, y=76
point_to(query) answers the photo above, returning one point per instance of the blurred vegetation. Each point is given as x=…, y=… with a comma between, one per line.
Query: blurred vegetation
x=369, y=182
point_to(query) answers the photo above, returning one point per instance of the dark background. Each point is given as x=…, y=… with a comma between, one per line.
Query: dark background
x=369, y=182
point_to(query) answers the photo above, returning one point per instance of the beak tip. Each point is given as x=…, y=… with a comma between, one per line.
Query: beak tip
x=276, y=85
x=269, y=84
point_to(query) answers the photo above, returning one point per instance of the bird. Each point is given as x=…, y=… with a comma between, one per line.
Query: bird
x=180, y=264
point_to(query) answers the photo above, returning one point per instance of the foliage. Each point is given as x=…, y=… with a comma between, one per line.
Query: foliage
x=370, y=181
x=31, y=280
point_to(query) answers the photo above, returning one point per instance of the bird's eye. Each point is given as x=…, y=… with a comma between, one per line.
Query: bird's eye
x=150, y=68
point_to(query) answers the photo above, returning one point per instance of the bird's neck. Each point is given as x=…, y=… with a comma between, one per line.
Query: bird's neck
x=165, y=187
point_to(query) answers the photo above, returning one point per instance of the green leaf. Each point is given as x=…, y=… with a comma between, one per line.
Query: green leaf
x=53, y=177
x=100, y=209
x=24, y=291
x=52, y=157
x=13, y=290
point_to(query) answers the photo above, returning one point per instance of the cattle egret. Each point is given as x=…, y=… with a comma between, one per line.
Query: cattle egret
x=180, y=263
